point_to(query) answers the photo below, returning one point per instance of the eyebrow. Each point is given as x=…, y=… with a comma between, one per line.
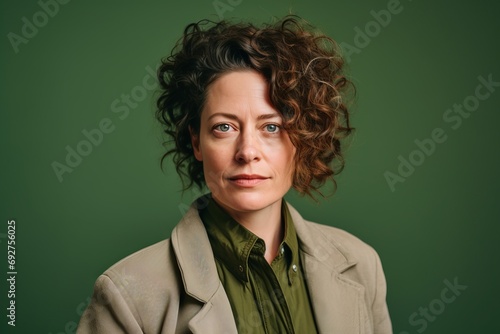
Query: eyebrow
x=232, y=116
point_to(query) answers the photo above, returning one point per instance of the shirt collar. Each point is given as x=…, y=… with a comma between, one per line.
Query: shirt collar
x=232, y=242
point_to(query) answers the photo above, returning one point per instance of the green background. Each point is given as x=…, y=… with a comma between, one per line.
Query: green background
x=440, y=224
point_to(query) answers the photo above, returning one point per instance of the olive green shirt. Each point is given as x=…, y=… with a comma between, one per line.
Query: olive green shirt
x=265, y=298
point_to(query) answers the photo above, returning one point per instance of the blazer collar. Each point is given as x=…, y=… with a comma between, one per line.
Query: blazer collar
x=199, y=276
x=337, y=301
x=317, y=245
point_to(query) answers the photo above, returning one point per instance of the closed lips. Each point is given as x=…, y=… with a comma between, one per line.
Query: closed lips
x=247, y=177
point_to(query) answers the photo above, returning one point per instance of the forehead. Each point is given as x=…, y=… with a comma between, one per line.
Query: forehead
x=239, y=91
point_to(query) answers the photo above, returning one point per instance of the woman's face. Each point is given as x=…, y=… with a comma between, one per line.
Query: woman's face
x=247, y=157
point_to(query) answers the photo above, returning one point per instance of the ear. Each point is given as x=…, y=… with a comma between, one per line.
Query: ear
x=195, y=142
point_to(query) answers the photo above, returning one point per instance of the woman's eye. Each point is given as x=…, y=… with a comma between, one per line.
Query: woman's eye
x=223, y=127
x=272, y=128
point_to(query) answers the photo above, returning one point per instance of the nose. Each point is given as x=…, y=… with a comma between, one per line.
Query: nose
x=248, y=148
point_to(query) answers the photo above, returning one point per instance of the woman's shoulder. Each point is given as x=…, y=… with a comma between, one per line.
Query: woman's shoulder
x=137, y=291
x=144, y=256
x=145, y=264
x=146, y=281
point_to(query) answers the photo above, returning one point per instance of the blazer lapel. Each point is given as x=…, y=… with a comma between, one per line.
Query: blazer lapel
x=200, y=277
x=336, y=300
x=215, y=317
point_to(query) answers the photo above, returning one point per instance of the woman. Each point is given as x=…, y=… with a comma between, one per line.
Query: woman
x=252, y=112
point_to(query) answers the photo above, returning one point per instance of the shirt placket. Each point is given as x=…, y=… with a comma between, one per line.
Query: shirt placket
x=268, y=280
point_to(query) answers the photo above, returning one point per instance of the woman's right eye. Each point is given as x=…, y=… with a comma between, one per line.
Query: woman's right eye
x=223, y=127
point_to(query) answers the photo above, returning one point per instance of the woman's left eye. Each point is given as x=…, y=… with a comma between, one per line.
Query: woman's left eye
x=272, y=128
x=223, y=127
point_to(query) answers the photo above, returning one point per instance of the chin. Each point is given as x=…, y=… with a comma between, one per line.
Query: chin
x=247, y=201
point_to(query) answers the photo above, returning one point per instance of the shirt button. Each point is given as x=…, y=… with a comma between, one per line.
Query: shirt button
x=294, y=268
x=240, y=268
x=282, y=250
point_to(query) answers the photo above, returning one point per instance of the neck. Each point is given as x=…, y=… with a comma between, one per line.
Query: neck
x=266, y=224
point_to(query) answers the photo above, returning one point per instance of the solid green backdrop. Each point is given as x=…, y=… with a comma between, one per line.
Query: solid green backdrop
x=420, y=183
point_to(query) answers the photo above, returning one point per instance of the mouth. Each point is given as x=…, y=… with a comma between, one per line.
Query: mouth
x=247, y=180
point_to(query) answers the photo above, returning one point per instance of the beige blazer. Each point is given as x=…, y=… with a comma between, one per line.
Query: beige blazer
x=173, y=286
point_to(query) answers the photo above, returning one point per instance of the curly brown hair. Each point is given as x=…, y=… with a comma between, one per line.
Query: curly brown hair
x=307, y=85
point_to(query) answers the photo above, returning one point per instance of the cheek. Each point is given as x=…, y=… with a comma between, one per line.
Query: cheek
x=213, y=169
x=285, y=162
x=214, y=162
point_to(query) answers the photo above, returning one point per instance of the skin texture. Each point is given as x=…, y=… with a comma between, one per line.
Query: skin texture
x=247, y=157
